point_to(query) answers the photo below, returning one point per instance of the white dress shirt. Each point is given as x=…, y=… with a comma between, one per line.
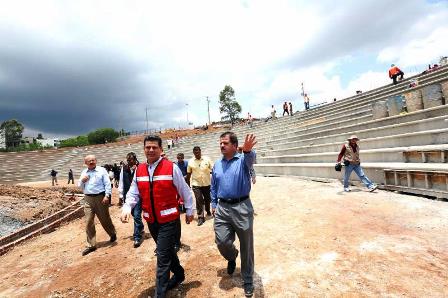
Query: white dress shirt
x=133, y=195
x=98, y=181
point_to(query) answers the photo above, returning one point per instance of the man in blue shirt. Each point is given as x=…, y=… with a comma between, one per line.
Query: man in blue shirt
x=231, y=205
x=182, y=164
x=97, y=190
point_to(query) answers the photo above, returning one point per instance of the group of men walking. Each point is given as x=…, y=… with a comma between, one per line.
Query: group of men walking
x=154, y=189
x=159, y=190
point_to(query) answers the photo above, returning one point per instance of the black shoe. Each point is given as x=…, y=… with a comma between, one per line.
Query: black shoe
x=88, y=250
x=201, y=221
x=137, y=243
x=209, y=214
x=113, y=238
x=248, y=290
x=174, y=282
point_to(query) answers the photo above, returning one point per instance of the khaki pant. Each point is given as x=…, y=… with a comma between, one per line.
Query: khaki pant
x=92, y=206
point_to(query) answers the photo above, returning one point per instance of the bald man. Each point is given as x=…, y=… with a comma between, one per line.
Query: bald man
x=97, y=190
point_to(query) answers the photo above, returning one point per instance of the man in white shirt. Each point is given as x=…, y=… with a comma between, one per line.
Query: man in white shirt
x=97, y=190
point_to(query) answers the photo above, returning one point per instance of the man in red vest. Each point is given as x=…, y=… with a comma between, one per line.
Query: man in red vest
x=394, y=72
x=157, y=184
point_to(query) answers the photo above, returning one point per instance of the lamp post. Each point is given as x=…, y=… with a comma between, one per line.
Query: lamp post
x=188, y=123
x=208, y=110
x=146, y=110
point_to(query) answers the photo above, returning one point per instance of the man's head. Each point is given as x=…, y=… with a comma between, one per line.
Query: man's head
x=180, y=157
x=131, y=159
x=197, y=152
x=392, y=65
x=228, y=143
x=152, y=145
x=90, y=161
x=353, y=139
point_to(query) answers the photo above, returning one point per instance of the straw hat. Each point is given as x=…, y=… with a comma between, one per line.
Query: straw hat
x=353, y=137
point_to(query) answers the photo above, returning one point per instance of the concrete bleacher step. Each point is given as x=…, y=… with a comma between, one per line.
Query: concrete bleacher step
x=375, y=171
x=383, y=131
x=418, y=181
x=397, y=154
x=344, y=127
x=428, y=137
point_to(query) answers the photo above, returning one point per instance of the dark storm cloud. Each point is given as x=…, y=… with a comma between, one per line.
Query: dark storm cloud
x=354, y=26
x=69, y=89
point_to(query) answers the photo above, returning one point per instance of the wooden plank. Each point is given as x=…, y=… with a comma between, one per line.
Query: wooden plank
x=410, y=182
x=424, y=157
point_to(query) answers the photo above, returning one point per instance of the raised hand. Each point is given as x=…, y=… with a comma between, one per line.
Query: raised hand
x=249, y=143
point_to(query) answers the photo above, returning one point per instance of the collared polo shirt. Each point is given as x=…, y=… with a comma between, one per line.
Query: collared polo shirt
x=200, y=170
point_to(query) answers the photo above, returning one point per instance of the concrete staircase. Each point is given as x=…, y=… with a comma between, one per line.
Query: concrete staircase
x=306, y=144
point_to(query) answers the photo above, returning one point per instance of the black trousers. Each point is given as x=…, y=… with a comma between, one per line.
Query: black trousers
x=202, y=195
x=395, y=76
x=285, y=111
x=167, y=261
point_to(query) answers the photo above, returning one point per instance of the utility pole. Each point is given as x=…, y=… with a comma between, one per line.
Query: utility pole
x=208, y=110
x=188, y=123
x=146, y=110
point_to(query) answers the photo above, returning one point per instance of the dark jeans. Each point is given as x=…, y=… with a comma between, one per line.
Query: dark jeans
x=178, y=232
x=138, y=224
x=307, y=105
x=71, y=179
x=202, y=195
x=285, y=111
x=395, y=76
x=167, y=260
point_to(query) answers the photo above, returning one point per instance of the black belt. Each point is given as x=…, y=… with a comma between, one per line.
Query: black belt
x=95, y=195
x=233, y=200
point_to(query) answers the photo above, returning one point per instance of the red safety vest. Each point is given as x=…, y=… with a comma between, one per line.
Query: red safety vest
x=159, y=197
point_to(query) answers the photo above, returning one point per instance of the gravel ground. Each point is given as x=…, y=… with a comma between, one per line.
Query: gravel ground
x=311, y=240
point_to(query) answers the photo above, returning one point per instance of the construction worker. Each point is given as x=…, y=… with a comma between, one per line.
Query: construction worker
x=394, y=72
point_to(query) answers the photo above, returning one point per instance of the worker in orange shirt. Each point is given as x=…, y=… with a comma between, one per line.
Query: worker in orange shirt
x=394, y=72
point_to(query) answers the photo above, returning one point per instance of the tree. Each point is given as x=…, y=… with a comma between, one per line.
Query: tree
x=39, y=136
x=228, y=104
x=102, y=135
x=74, y=142
x=13, y=132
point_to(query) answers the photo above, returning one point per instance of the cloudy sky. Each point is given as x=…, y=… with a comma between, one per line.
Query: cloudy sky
x=68, y=67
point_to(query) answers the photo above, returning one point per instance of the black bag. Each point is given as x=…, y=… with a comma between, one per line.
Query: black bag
x=338, y=167
x=346, y=163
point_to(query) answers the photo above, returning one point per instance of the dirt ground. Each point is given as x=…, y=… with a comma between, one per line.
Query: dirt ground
x=21, y=205
x=311, y=240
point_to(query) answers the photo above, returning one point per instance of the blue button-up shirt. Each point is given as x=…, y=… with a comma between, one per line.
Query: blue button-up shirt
x=231, y=178
x=98, y=182
x=183, y=167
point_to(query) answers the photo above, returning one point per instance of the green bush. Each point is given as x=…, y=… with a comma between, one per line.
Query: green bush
x=102, y=135
x=74, y=142
x=24, y=147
